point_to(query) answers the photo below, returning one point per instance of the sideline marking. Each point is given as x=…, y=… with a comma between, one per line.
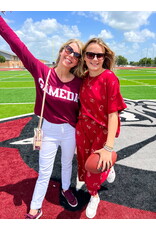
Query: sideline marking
x=19, y=116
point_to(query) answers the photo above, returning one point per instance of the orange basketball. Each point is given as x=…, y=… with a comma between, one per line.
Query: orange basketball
x=92, y=162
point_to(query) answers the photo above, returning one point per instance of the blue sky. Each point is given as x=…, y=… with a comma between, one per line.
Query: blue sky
x=131, y=34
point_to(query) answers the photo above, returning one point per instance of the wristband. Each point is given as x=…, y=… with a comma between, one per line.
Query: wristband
x=108, y=148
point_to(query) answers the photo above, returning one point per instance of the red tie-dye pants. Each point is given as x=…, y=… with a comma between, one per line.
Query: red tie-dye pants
x=90, y=136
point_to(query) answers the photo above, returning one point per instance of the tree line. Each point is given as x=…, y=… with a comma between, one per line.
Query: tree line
x=122, y=61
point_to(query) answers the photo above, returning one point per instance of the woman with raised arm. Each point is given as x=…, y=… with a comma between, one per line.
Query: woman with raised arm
x=60, y=112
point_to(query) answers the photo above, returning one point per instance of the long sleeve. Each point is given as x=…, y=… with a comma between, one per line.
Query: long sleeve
x=18, y=47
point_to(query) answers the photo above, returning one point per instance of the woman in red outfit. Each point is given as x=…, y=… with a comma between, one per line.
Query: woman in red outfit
x=99, y=121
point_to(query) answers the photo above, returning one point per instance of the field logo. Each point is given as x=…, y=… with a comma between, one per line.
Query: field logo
x=140, y=113
x=136, y=164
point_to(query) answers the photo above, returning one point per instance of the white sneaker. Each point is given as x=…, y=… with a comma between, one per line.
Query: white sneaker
x=92, y=206
x=111, y=175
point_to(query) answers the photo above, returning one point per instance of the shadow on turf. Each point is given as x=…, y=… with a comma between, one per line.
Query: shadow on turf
x=23, y=190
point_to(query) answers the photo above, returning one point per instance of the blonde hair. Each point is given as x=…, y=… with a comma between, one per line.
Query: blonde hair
x=76, y=70
x=109, y=59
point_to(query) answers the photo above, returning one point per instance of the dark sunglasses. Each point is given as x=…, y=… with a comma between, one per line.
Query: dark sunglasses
x=69, y=50
x=91, y=55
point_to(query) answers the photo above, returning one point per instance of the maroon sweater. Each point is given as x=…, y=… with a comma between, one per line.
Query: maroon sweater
x=61, y=105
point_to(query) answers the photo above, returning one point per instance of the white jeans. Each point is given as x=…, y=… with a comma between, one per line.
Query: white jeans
x=53, y=136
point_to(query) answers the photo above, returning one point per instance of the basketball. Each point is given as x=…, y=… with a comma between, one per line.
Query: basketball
x=92, y=162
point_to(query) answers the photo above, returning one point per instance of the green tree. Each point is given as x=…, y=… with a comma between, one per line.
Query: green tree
x=145, y=61
x=142, y=61
x=133, y=63
x=154, y=61
x=149, y=62
x=120, y=60
x=2, y=59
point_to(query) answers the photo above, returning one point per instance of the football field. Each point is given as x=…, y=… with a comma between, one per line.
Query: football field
x=130, y=196
x=17, y=89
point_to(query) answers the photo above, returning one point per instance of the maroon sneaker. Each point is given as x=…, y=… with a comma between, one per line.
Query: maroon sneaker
x=37, y=216
x=71, y=199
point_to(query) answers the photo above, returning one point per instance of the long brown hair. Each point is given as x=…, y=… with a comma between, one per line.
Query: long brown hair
x=76, y=70
x=109, y=59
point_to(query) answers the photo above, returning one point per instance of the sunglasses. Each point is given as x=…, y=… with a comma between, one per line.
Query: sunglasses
x=69, y=50
x=91, y=55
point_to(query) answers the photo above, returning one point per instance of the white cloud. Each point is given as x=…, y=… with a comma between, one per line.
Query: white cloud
x=131, y=51
x=119, y=48
x=8, y=20
x=45, y=37
x=123, y=20
x=48, y=27
x=135, y=46
x=154, y=46
x=138, y=36
x=104, y=34
x=149, y=52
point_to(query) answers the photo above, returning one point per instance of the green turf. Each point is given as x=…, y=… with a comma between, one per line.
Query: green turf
x=15, y=110
x=18, y=87
x=138, y=83
x=18, y=95
x=14, y=84
x=15, y=79
x=138, y=92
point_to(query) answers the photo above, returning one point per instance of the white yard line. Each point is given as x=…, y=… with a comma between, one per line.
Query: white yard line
x=1, y=79
x=139, y=99
x=23, y=115
x=135, y=81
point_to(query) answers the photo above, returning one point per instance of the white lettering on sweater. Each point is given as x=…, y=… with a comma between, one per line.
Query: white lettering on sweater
x=60, y=93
